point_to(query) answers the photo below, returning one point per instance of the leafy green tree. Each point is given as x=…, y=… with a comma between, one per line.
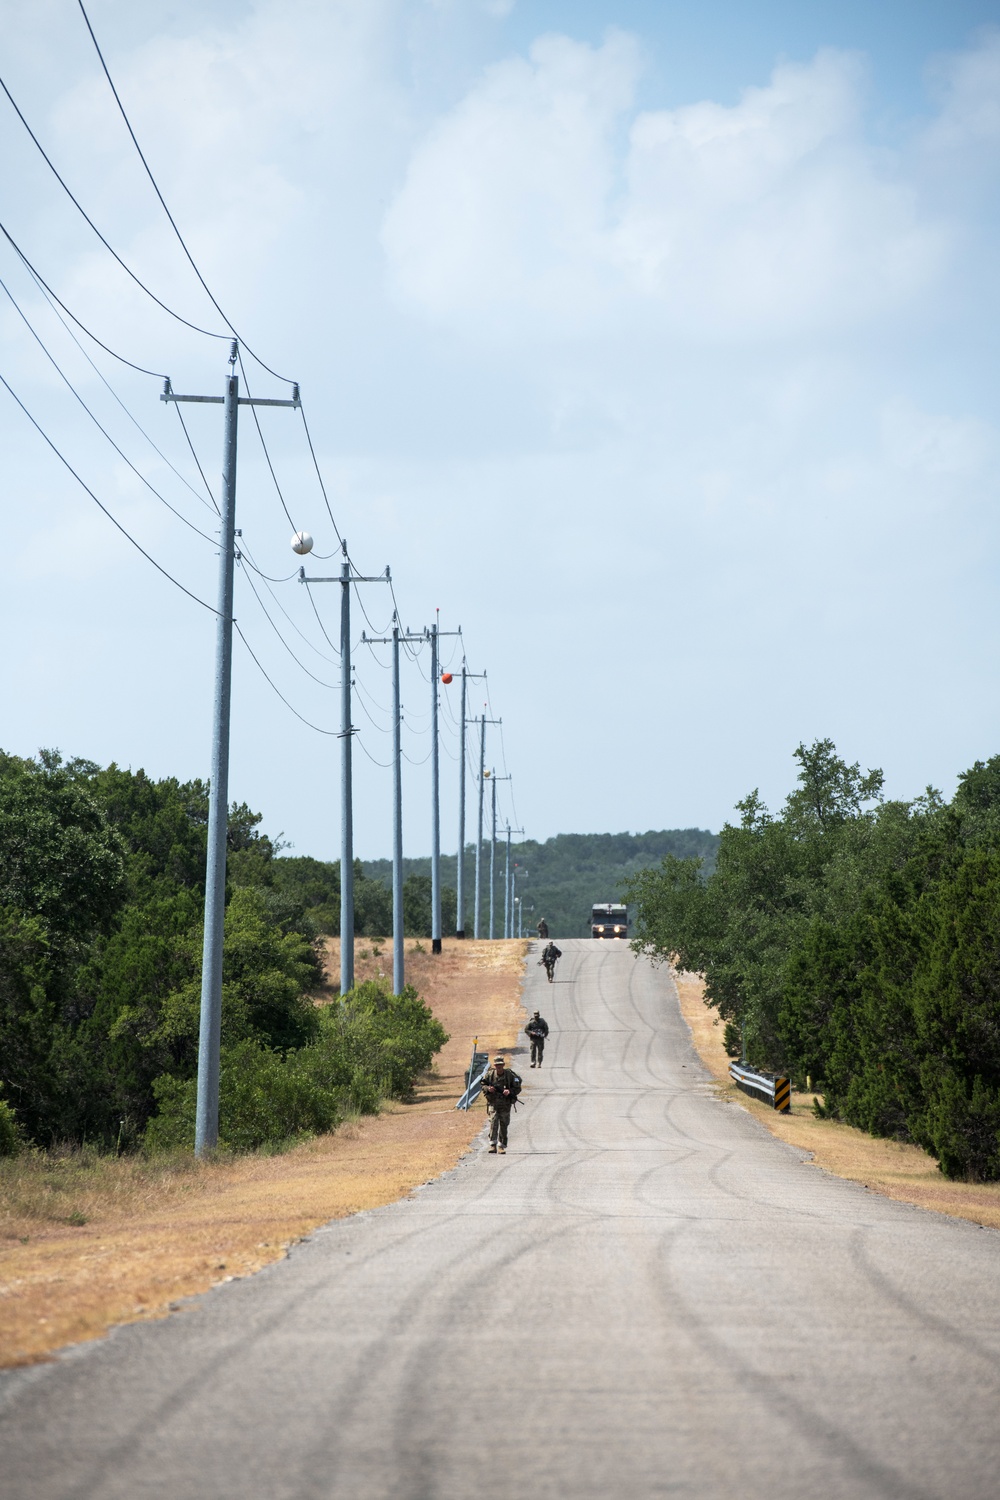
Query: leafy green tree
x=312, y=888
x=369, y=1045
x=417, y=906
x=59, y=859
x=562, y=877
x=30, y=1019
x=62, y=886
x=858, y=944
x=742, y=926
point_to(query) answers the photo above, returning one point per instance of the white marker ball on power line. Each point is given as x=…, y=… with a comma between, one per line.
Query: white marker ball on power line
x=302, y=543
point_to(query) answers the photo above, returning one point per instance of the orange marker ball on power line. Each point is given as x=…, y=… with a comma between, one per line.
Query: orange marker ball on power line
x=446, y=677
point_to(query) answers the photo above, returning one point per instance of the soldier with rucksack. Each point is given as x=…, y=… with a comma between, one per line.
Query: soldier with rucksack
x=537, y=1030
x=501, y=1086
x=550, y=957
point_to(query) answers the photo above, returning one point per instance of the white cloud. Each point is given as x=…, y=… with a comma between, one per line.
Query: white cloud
x=505, y=201
x=968, y=87
x=772, y=215
x=581, y=428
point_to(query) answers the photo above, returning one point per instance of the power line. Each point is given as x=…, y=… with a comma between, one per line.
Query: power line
x=386, y=666
x=309, y=724
x=331, y=685
x=260, y=434
x=377, y=727
x=163, y=204
x=456, y=645
x=377, y=706
x=110, y=248
x=510, y=784
x=103, y=430
x=131, y=416
x=157, y=374
x=319, y=476
x=384, y=765
x=300, y=633
x=65, y=461
x=319, y=622
x=395, y=602
x=268, y=577
x=374, y=628
x=180, y=416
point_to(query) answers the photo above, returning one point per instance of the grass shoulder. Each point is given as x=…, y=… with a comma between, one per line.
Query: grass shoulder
x=89, y=1241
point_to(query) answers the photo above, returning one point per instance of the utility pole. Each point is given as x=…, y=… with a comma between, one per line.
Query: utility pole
x=493, y=845
x=467, y=676
x=398, y=965
x=434, y=634
x=508, y=889
x=483, y=774
x=347, y=732
x=206, y=1133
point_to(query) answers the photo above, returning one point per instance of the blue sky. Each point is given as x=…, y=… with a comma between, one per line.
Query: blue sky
x=713, y=49
x=654, y=344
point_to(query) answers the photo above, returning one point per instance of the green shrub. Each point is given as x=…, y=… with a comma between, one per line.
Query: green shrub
x=264, y=1100
x=369, y=1046
x=10, y=1134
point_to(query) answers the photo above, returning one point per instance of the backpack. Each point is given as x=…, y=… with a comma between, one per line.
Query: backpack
x=516, y=1085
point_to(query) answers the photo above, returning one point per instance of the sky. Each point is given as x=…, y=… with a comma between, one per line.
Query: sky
x=652, y=344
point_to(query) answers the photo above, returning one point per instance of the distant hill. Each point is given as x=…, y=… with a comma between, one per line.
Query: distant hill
x=561, y=879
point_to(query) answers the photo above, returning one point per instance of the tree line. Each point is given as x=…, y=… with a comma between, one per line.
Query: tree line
x=101, y=903
x=560, y=878
x=853, y=942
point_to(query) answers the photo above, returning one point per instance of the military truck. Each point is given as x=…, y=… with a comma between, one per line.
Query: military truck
x=609, y=920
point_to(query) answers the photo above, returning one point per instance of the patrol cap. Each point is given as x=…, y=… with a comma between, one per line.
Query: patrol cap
x=499, y=1057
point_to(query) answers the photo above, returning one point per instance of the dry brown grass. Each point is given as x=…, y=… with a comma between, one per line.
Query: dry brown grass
x=899, y=1171
x=164, y=1229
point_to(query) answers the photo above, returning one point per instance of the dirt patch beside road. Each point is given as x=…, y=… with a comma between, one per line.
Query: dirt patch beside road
x=890, y=1167
x=157, y=1233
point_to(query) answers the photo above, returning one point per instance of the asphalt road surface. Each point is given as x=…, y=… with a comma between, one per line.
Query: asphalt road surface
x=648, y=1296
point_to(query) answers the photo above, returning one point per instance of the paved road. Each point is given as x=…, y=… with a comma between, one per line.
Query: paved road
x=648, y=1296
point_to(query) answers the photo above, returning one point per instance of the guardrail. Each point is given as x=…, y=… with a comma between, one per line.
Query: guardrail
x=771, y=1088
x=474, y=1078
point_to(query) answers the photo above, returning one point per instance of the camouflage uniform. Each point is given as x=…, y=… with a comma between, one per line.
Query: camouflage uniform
x=498, y=1107
x=550, y=955
x=537, y=1030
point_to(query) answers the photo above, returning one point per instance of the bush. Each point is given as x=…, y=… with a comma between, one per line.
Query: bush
x=10, y=1134
x=369, y=1046
x=263, y=1101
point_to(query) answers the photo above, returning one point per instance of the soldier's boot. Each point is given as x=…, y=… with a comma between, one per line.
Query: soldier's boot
x=492, y=1151
x=501, y=1150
